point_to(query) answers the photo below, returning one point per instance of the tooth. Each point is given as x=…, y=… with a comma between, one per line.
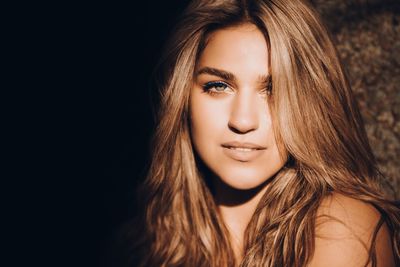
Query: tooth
x=242, y=149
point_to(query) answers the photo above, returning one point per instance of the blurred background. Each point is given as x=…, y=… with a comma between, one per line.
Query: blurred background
x=367, y=35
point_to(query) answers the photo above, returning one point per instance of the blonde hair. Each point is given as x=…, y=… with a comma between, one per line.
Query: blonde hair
x=315, y=119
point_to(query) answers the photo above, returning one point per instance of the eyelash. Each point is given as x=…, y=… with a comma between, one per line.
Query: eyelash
x=207, y=88
x=268, y=89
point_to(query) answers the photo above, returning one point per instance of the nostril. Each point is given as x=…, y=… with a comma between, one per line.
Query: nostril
x=234, y=129
x=242, y=126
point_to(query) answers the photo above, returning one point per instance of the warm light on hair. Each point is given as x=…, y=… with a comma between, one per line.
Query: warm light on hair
x=315, y=119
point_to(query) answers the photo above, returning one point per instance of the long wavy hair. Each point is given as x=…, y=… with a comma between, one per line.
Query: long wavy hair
x=315, y=119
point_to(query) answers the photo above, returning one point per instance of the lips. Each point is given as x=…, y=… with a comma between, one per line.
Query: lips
x=240, y=145
x=243, y=151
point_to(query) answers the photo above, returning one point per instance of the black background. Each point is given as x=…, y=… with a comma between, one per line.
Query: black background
x=105, y=56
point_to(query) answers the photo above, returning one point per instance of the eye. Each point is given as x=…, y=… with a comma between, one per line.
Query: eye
x=216, y=87
x=267, y=89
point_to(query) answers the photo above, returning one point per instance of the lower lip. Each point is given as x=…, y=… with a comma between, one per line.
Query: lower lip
x=241, y=155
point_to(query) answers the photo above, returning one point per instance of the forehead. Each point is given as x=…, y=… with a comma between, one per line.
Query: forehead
x=241, y=49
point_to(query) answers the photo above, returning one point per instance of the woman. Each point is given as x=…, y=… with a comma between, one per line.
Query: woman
x=260, y=156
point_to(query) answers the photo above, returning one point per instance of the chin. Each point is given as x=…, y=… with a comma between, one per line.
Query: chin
x=244, y=178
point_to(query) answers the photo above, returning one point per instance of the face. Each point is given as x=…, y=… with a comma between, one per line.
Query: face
x=231, y=125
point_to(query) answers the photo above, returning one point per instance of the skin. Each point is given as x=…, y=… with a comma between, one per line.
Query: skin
x=344, y=230
x=239, y=111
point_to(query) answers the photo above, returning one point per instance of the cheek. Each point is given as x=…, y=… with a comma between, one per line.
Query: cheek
x=208, y=119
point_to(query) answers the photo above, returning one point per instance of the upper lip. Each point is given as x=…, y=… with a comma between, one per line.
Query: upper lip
x=236, y=144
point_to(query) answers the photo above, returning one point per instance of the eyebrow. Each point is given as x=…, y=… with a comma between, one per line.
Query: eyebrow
x=226, y=75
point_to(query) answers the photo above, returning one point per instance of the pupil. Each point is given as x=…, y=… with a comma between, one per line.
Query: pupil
x=219, y=87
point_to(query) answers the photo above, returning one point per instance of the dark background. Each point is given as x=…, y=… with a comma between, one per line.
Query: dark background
x=106, y=54
x=130, y=40
x=95, y=61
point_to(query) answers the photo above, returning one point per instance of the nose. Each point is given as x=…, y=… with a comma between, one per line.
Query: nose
x=244, y=115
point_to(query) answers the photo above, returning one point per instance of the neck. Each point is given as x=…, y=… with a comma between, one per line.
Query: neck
x=236, y=208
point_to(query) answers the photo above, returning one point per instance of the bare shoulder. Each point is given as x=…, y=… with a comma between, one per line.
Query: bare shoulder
x=344, y=231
